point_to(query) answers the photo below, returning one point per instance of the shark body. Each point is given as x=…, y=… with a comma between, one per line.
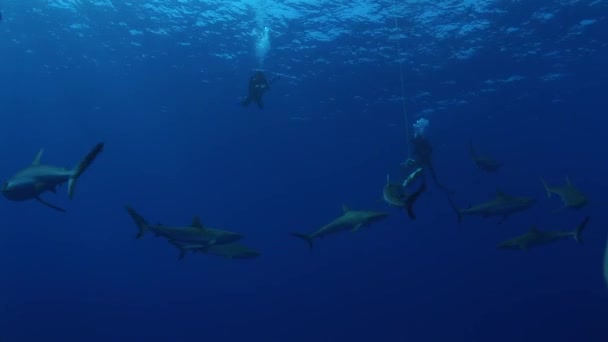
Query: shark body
x=351, y=220
x=502, y=205
x=571, y=197
x=195, y=233
x=37, y=178
x=484, y=163
x=535, y=237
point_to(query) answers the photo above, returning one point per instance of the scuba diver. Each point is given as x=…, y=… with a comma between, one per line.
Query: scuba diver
x=421, y=161
x=258, y=86
x=422, y=150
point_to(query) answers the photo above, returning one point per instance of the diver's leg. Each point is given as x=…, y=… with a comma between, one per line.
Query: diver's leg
x=246, y=101
x=260, y=102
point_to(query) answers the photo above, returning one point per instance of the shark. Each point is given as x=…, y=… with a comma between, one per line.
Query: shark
x=502, y=205
x=606, y=263
x=484, y=163
x=570, y=196
x=195, y=233
x=535, y=237
x=230, y=250
x=394, y=195
x=352, y=220
x=37, y=178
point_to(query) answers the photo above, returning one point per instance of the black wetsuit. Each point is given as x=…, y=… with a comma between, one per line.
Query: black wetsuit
x=258, y=86
x=422, y=152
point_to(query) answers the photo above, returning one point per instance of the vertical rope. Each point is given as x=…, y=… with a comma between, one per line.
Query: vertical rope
x=405, y=116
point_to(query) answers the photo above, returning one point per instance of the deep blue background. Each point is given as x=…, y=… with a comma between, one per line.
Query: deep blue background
x=176, y=147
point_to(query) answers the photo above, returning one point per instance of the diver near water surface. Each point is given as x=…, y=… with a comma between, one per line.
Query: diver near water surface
x=258, y=86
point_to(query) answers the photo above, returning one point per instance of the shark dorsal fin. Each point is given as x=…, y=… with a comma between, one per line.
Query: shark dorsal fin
x=196, y=222
x=388, y=179
x=501, y=195
x=36, y=160
x=568, y=181
x=345, y=208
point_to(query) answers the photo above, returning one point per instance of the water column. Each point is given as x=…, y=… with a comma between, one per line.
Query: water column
x=261, y=33
x=262, y=46
x=606, y=263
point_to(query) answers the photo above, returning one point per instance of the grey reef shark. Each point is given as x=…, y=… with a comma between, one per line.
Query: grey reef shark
x=502, y=205
x=350, y=220
x=571, y=197
x=193, y=234
x=484, y=163
x=38, y=178
x=535, y=237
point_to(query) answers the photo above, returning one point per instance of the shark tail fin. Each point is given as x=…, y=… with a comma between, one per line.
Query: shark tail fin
x=139, y=220
x=579, y=229
x=545, y=186
x=305, y=237
x=82, y=166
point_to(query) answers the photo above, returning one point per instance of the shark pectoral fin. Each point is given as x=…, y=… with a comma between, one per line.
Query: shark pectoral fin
x=357, y=227
x=345, y=208
x=49, y=204
x=139, y=220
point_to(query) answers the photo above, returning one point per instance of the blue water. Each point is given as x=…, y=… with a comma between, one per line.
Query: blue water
x=158, y=82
